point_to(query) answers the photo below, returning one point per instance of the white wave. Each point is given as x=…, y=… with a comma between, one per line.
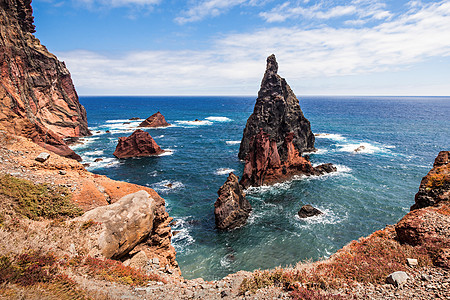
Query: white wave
x=183, y=238
x=194, y=123
x=330, y=136
x=223, y=171
x=159, y=136
x=167, y=152
x=233, y=142
x=106, y=162
x=167, y=186
x=94, y=153
x=219, y=119
x=153, y=173
x=327, y=217
x=121, y=121
x=318, y=151
x=274, y=188
x=83, y=143
x=365, y=148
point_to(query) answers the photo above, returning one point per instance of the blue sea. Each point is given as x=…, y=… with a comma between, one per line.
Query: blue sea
x=372, y=188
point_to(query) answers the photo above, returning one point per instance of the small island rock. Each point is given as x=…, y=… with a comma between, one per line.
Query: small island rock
x=231, y=209
x=155, y=120
x=308, y=211
x=140, y=143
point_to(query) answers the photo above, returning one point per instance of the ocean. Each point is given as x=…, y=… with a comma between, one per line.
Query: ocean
x=372, y=188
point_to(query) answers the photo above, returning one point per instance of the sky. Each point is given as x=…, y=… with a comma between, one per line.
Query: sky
x=219, y=47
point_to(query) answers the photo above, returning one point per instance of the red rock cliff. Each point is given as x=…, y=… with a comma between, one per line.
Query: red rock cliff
x=37, y=97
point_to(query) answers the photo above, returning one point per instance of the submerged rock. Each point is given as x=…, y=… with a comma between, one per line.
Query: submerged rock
x=308, y=211
x=277, y=112
x=140, y=143
x=435, y=186
x=155, y=120
x=231, y=209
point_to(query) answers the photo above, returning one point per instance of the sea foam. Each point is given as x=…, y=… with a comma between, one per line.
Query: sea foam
x=224, y=171
x=219, y=119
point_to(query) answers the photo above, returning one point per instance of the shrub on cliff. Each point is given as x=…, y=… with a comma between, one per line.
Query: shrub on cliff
x=38, y=200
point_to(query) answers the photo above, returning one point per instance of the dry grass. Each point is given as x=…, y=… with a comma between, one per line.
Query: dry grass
x=368, y=260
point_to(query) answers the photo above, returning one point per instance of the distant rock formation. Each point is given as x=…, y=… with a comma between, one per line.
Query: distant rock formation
x=264, y=164
x=139, y=143
x=231, y=209
x=435, y=186
x=155, y=120
x=307, y=211
x=37, y=96
x=276, y=134
x=277, y=112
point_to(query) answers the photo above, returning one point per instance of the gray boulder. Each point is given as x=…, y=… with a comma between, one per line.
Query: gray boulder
x=397, y=278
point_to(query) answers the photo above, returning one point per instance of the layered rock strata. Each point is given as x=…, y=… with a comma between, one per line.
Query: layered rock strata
x=139, y=143
x=277, y=112
x=155, y=120
x=231, y=209
x=37, y=96
x=264, y=164
x=435, y=186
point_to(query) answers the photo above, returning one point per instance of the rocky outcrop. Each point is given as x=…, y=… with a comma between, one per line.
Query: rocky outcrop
x=37, y=96
x=277, y=112
x=140, y=143
x=307, y=211
x=124, y=224
x=231, y=209
x=428, y=223
x=435, y=186
x=265, y=165
x=155, y=120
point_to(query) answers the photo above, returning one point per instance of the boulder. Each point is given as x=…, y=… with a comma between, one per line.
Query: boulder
x=231, y=208
x=140, y=143
x=124, y=224
x=155, y=120
x=42, y=157
x=308, y=211
x=435, y=186
x=277, y=112
x=397, y=278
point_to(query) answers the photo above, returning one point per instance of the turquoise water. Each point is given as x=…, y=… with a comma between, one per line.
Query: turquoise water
x=401, y=135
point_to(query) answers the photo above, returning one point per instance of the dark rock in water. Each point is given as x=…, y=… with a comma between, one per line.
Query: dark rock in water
x=126, y=123
x=107, y=131
x=155, y=120
x=140, y=143
x=196, y=120
x=98, y=159
x=37, y=96
x=277, y=112
x=134, y=119
x=435, y=186
x=325, y=168
x=231, y=209
x=308, y=211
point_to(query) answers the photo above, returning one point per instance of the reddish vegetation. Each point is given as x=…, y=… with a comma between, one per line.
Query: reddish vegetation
x=140, y=143
x=266, y=165
x=155, y=120
x=37, y=96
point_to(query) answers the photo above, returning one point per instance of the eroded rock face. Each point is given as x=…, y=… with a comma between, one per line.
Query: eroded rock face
x=125, y=223
x=277, y=112
x=231, y=209
x=140, y=143
x=264, y=164
x=155, y=120
x=37, y=96
x=435, y=187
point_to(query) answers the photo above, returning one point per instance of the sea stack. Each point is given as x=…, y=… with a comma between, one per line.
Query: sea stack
x=277, y=112
x=276, y=134
x=140, y=143
x=231, y=209
x=155, y=120
x=37, y=96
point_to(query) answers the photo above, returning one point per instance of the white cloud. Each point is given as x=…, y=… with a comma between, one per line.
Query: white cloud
x=207, y=8
x=235, y=64
x=321, y=11
x=118, y=3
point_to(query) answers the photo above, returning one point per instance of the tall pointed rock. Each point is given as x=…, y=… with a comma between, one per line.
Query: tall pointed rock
x=277, y=112
x=37, y=96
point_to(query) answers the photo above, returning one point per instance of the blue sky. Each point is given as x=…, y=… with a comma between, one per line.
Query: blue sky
x=219, y=47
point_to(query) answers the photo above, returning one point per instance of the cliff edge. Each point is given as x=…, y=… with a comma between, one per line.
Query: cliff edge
x=37, y=96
